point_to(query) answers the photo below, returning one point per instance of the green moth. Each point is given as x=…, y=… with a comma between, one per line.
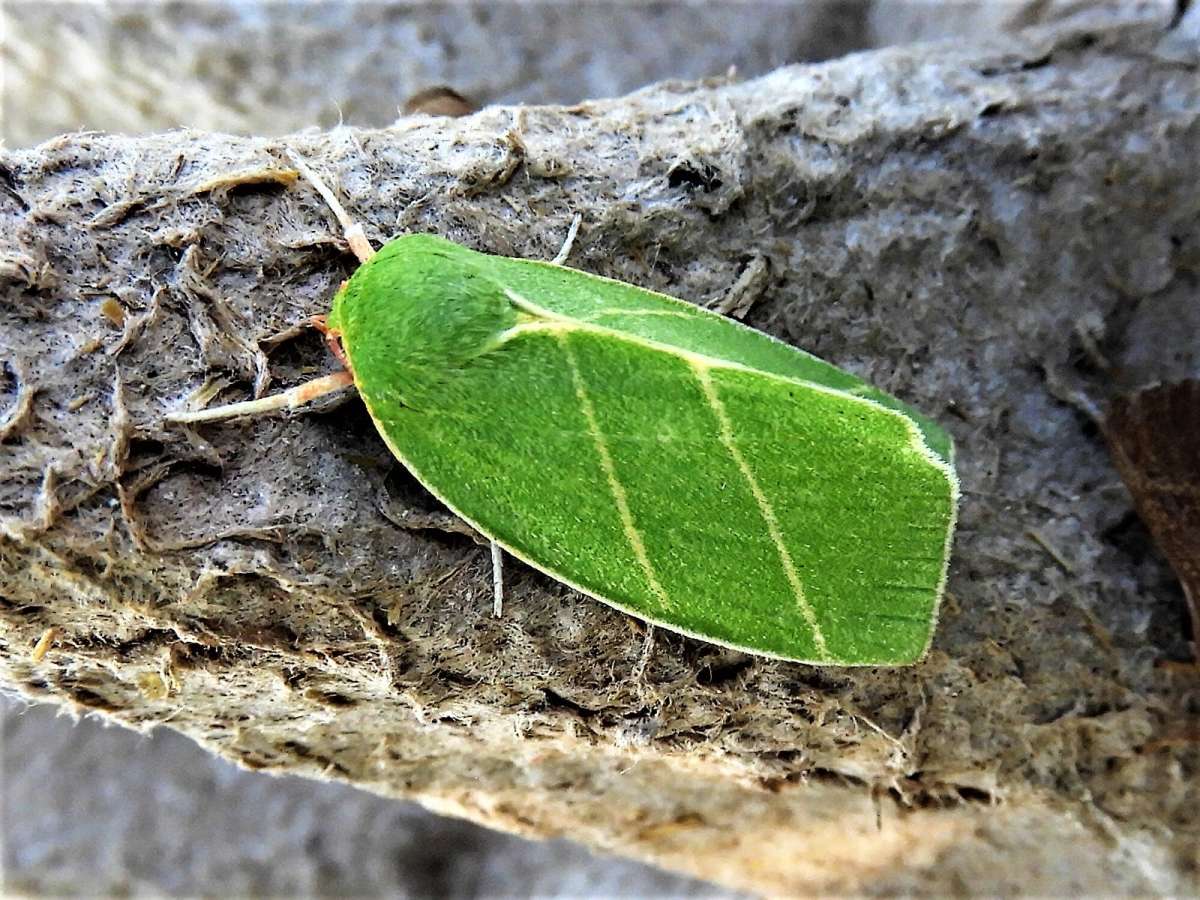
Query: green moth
x=663, y=459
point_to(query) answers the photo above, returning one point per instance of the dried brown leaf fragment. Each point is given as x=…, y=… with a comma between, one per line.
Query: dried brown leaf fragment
x=1154, y=436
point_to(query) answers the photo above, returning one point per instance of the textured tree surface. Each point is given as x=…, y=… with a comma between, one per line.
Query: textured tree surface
x=994, y=234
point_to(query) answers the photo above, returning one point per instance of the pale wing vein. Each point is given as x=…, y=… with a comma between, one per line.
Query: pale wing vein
x=549, y=322
x=640, y=313
x=634, y=536
x=764, y=506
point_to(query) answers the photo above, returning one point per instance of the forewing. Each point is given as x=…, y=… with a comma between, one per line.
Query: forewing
x=668, y=320
x=743, y=508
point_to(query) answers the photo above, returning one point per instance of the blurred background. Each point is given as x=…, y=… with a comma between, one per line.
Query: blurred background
x=275, y=66
x=90, y=809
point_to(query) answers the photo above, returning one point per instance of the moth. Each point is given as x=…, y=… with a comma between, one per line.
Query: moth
x=666, y=460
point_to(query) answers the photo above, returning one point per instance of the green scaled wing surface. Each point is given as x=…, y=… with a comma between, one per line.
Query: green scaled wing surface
x=663, y=459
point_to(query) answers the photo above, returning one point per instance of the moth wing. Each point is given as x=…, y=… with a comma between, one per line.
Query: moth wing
x=673, y=322
x=750, y=510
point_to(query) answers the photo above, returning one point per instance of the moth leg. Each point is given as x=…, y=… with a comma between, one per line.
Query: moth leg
x=639, y=668
x=319, y=387
x=333, y=338
x=561, y=256
x=351, y=230
x=290, y=399
x=497, y=581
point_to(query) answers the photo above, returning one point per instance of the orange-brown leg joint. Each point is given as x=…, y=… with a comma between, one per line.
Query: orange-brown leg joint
x=333, y=340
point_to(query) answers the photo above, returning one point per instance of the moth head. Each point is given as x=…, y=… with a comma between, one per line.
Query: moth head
x=418, y=311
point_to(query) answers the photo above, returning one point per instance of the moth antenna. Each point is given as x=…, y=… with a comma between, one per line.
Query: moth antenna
x=353, y=232
x=289, y=399
x=497, y=581
x=561, y=256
